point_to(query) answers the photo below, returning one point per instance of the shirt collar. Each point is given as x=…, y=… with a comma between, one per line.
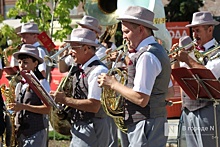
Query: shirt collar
x=146, y=42
x=210, y=44
x=36, y=44
x=90, y=61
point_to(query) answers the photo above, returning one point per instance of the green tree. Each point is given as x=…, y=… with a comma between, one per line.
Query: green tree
x=182, y=10
x=39, y=12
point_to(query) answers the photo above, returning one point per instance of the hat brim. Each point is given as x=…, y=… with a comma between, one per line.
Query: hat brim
x=16, y=54
x=203, y=23
x=89, y=26
x=34, y=32
x=83, y=42
x=138, y=21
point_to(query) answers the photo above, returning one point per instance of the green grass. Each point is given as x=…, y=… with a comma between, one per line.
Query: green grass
x=57, y=136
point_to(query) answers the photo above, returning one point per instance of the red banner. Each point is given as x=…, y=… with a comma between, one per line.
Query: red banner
x=177, y=30
x=46, y=41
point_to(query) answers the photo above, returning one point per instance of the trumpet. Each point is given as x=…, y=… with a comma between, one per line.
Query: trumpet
x=181, y=48
x=124, y=44
x=51, y=60
x=201, y=55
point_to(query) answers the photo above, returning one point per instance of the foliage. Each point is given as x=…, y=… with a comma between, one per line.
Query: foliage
x=57, y=136
x=182, y=10
x=7, y=33
x=39, y=12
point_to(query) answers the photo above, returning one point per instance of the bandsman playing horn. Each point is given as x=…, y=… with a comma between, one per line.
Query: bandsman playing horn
x=89, y=122
x=196, y=113
x=148, y=79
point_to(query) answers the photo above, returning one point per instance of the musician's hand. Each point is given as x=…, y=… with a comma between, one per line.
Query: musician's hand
x=175, y=46
x=182, y=56
x=59, y=97
x=106, y=81
x=15, y=106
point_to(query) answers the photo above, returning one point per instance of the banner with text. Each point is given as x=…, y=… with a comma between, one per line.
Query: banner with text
x=177, y=30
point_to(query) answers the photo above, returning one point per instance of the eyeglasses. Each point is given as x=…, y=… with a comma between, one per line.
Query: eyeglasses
x=75, y=47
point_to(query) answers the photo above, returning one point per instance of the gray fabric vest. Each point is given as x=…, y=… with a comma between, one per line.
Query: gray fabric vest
x=80, y=91
x=193, y=105
x=156, y=106
x=29, y=123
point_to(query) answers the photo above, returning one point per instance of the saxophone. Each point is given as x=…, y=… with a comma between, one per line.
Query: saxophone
x=9, y=94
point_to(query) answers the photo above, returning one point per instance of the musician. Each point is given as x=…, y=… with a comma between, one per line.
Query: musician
x=30, y=110
x=28, y=34
x=199, y=114
x=145, y=93
x=89, y=122
x=92, y=24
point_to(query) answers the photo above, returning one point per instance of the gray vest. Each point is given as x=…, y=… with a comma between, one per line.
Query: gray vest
x=156, y=106
x=29, y=123
x=80, y=91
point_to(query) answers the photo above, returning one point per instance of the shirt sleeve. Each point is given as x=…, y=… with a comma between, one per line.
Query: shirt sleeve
x=42, y=54
x=0, y=63
x=94, y=91
x=148, y=68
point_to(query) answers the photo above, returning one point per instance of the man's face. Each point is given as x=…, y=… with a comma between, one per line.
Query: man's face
x=28, y=38
x=202, y=34
x=131, y=34
x=77, y=52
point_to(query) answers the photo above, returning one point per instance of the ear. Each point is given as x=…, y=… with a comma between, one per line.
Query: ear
x=35, y=64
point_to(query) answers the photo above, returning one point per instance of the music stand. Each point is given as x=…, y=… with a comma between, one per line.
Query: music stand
x=199, y=84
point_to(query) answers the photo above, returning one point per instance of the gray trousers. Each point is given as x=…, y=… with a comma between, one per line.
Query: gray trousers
x=200, y=127
x=39, y=139
x=148, y=133
x=90, y=134
x=113, y=139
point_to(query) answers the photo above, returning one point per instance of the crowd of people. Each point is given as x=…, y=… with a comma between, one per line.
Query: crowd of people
x=145, y=93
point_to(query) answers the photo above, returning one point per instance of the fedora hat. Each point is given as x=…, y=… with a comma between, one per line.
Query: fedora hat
x=83, y=36
x=90, y=23
x=185, y=41
x=139, y=15
x=29, y=28
x=202, y=18
x=30, y=50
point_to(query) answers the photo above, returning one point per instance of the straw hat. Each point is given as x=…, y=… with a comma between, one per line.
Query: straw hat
x=139, y=15
x=202, y=18
x=90, y=23
x=29, y=28
x=83, y=36
x=185, y=41
x=30, y=50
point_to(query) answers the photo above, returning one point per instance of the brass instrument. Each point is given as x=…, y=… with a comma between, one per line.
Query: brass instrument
x=177, y=49
x=8, y=52
x=112, y=102
x=51, y=60
x=117, y=49
x=9, y=94
x=207, y=54
x=215, y=57
x=59, y=119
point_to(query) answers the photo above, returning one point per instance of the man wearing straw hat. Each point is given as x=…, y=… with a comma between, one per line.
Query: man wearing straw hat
x=92, y=24
x=148, y=79
x=29, y=32
x=89, y=122
x=198, y=114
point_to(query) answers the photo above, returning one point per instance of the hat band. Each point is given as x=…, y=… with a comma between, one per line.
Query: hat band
x=132, y=17
x=83, y=40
